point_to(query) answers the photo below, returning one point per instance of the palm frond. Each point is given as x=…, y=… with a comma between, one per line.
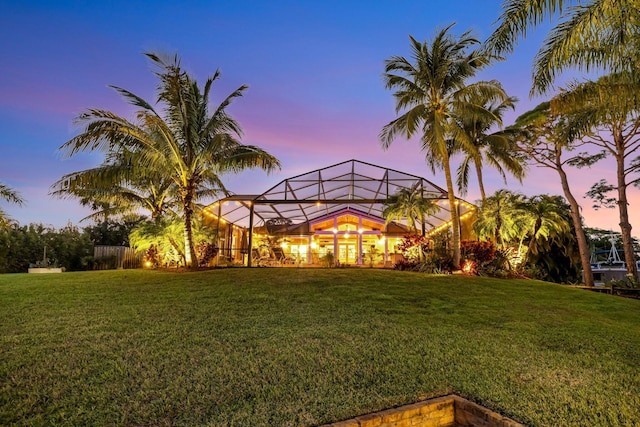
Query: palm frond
x=10, y=195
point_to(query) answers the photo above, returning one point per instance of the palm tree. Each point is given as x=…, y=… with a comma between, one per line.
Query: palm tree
x=11, y=196
x=545, y=217
x=409, y=204
x=118, y=187
x=495, y=148
x=432, y=89
x=591, y=35
x=190, y=145
x=501, y=219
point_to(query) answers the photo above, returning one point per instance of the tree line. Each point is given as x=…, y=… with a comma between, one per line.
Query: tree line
x=68, y=247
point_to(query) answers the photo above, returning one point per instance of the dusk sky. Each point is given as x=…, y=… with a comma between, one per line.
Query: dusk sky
x=314, y=70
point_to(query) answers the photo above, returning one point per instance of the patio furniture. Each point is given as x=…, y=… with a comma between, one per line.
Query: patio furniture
x=281, y=257
x=262, y=260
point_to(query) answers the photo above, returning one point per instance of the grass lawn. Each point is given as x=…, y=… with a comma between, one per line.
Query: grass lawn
x=289, y=347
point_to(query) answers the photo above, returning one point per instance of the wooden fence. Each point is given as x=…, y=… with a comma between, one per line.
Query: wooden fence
x=111, y=257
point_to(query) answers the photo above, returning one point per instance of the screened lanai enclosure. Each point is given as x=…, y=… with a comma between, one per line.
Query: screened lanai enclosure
x=334, y=213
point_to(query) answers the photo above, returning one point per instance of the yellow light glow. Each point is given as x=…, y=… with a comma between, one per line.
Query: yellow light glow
x=314, y=245
x=284, y=245
x=147, y=264
x=335, y=231
x=360, y=230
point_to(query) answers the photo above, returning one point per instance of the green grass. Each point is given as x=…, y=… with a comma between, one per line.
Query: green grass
x=285, y=347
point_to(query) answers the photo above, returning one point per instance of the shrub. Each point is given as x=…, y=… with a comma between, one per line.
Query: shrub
x=328, y=259
x=500, y=265
x=404, y=265
x=477, y=255
x=206, y=252
x=413, y=247
x=480, y=252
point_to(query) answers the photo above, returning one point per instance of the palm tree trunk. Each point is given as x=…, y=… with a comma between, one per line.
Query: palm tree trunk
x=478, y=167
x=583, y=247
x=534, y=240
x=178, y=249
x=191, y=260
x=625, y=226
x=455, y=222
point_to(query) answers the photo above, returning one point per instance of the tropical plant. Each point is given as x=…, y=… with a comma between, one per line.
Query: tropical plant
x=186, y=142
x=501, y=219
x=487, y=147
x=432, y=89
x=11, y=196
x=162, y=237
x=329, y=259
x=545, y=218
x=409, y=204
x=555, y=256
x=590, y=35
x=373, y=255
x=545, y=139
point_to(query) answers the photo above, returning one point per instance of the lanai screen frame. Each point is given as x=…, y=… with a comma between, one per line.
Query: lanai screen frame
x=353, y=184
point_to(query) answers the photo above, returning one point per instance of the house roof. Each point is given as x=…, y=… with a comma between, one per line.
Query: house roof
x=352, y=184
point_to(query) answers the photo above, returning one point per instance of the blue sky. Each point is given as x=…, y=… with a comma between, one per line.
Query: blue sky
x=313, y=68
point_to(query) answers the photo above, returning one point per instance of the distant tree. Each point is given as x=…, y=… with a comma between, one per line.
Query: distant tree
x=431, y=94
x=113, y=232
x=11, y=196
x=23, y=246
x=601, y=239
x=190, y=145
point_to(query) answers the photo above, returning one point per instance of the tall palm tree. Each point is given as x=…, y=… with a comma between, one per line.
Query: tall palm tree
x=188, y=143
x=11, y=196
x=409, y=204
x=432, y=91
x=495, y=148
x=590, y=35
